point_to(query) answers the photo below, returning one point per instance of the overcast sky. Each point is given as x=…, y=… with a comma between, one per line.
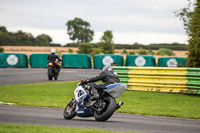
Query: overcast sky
x=142, y=21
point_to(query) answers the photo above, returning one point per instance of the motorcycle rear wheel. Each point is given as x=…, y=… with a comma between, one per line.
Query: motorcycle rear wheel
x=69, y=112
x=107, y=111
x=56, y=77
x=50, y=77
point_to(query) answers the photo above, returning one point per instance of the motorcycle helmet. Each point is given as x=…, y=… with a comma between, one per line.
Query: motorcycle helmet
x=108, y=68
x=53, y=50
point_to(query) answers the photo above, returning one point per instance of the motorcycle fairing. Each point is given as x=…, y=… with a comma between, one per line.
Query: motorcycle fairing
x=80, y=96
x=115, y=90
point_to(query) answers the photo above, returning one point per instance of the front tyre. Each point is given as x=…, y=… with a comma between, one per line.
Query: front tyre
x=104, y=113
x=69, y=111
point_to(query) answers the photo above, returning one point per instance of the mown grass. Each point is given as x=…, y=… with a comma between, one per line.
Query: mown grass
x=57, y=95
x=19, y=128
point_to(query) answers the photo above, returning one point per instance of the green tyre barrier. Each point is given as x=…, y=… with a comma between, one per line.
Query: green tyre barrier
x=140, y=60
x=39, y=60
x=13, y=60
x=107, y=59
x=172, y=62
x=76, y=61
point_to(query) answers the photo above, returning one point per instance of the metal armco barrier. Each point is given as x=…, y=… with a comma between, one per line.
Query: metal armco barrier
x=161, y=79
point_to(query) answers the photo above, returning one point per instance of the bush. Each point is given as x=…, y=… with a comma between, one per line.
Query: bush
x=124, y=51
x=150, y=52
x=70, y=51
x=132, y=52
x=85, y=48
x=142, y=51
x=165, y=51
x=95, y=51
x=107, y=47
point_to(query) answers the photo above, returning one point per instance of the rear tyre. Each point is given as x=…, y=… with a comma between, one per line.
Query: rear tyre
x=69, y=112
x=50, y=74
x=56, y=77
x=109, y=106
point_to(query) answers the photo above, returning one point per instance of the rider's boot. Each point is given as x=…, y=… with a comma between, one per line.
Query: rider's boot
x=94, y=96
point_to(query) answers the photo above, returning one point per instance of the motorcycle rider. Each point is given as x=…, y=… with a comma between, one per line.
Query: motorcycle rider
x=107, y=76
x=52, y=58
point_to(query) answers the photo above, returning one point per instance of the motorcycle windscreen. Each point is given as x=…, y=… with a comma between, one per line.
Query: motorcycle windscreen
x=116, y=90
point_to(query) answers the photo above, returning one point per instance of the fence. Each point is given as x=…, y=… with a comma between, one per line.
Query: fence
x=161, y=79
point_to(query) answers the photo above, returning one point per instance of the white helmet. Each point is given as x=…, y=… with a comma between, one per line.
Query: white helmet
x=53, y=50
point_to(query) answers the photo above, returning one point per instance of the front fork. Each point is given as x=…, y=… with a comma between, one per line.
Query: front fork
x=72, y=104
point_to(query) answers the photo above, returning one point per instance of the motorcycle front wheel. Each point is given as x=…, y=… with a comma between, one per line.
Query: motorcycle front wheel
x=104, y=113
x=69, y=111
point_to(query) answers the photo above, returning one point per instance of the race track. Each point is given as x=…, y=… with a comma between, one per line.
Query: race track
x=118, y=122
x=53, y=117
x=35, y=75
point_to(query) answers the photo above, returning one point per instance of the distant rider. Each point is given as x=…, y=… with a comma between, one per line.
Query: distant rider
x=107, y=76
x=53, y=58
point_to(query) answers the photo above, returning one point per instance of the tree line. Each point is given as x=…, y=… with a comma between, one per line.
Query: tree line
x=21, y=38
x=172, y=46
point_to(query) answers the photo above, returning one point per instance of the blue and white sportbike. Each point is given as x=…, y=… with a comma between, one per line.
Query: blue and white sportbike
x=102, y=109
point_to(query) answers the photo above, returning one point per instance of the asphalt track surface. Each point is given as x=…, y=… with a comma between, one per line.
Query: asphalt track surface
x=118, y=122
x=54, y=117
x=34, y=75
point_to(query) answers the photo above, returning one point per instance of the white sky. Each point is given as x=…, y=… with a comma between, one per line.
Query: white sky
x=142, y=21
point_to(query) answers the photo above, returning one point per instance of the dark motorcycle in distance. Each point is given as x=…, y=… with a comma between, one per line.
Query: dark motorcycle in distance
x=102, y=109
x=52, y=71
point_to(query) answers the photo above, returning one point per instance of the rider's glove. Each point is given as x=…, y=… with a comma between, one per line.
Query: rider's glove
x=83, y=81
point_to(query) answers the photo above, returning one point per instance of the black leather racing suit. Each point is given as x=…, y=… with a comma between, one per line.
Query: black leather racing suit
x=107, y=77
x=52, y=58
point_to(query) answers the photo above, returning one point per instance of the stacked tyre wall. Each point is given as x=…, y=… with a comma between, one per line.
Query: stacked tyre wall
x=161, y=79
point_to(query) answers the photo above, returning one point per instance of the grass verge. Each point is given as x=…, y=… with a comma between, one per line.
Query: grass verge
x=19, y=128
x=57, y=95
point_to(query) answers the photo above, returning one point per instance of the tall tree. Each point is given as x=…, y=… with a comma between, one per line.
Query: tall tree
x=106, y=45
x=185, y=15
x=79, y=30
x=3, y=29
x=23, y=38
x=43, y=40
x=194, y=38
x=107, y=36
